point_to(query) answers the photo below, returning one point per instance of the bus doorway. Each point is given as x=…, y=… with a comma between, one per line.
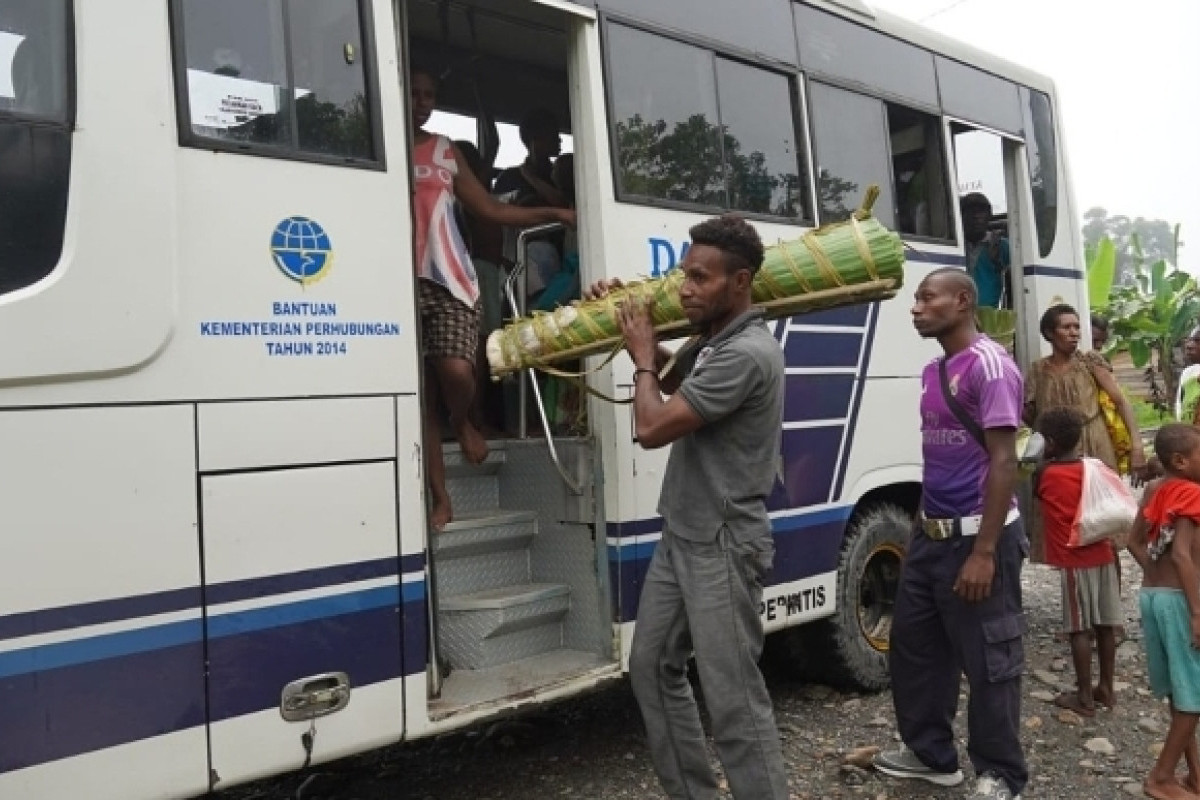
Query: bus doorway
x=987, y=175
x=518, y=582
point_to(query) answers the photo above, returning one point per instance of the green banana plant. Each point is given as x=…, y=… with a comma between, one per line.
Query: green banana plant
x=1152, y=314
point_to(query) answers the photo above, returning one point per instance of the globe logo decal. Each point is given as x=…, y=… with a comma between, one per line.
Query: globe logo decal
x=301, y=249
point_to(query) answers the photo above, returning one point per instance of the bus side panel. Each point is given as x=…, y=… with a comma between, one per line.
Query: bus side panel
x=101, y=652
x=302, y=578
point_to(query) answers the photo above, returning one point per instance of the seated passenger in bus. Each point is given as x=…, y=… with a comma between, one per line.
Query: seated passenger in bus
x=987, y=252
x=448, y=286
x=531, y=183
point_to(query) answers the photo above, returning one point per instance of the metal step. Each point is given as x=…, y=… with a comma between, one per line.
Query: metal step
x=483, y=550
x=472, y=487
x=457, y=465
x=496, y=626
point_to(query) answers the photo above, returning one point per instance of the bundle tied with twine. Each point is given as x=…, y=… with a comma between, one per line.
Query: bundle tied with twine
x=843, y=263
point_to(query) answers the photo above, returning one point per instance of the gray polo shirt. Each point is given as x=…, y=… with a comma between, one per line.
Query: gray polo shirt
x=722, y=473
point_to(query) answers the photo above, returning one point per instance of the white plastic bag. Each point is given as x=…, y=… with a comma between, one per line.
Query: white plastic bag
x=1107, y=506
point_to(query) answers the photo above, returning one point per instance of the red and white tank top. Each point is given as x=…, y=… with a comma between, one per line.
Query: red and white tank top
x=442, y=254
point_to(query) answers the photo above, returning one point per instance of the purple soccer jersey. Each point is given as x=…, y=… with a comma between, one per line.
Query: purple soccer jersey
x=987, y=384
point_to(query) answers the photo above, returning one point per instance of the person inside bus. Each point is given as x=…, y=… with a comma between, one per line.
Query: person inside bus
x=531, y=183
x=448, y=286
x=987, y=252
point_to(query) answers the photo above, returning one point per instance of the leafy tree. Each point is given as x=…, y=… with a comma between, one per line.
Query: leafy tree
x=1135, y=241
x=684, y=163
x=1150, y=315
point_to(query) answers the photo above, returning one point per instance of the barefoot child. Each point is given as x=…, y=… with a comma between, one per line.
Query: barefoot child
x=1166, y=543
x=1091, y=595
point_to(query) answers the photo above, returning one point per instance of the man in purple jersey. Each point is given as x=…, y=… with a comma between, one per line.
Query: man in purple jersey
x=958, y=608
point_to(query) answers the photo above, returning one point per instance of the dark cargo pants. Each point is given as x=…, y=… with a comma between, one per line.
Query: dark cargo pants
x=937, y=636
x=705, y=596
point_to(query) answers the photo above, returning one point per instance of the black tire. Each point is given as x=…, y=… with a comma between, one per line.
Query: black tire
x=853, y=643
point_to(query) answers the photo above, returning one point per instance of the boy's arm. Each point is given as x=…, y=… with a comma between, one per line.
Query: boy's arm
x=1137, y=540
x=1187, y=539
x=1137, y=535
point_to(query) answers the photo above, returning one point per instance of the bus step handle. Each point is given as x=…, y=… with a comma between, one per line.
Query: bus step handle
x=315, y=696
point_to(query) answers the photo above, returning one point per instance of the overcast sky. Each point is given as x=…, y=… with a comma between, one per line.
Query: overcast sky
x=1128, y=77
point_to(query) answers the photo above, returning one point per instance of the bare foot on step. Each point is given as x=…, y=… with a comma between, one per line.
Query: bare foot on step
x=440, y=513
x=474, y=446
x=1104, y=696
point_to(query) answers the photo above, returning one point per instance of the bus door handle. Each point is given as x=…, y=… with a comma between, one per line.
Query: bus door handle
x=315, y=696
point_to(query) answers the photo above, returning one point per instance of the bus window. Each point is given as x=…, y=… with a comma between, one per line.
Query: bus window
x=761, y=156
x=262, y=80
x=698, y=129
x=919, y=174
x=1043, y=165
x=35, y=137
x=665, y=111
x=851, y=152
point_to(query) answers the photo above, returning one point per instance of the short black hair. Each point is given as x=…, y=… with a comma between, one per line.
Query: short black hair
x=1175, y=439
x=538, y=120
x=961, y=280
x=975, y=200
x=1099, y=323
x=1050, y=319
x=734, y=237
x=1063, y=426
x=424, y=69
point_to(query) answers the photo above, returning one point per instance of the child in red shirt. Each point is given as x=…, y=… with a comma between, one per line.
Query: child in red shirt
x=1091, y=593
x=1166, y=543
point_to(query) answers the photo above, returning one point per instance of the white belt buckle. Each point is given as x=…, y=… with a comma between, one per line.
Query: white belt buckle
x=969, y=526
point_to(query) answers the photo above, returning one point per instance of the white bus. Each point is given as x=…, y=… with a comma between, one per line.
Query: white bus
x=216, y=565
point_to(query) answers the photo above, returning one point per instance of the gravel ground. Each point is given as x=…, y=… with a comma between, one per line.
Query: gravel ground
x=593, y=747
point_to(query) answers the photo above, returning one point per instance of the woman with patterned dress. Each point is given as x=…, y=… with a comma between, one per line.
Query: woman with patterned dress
x=447, y=286
x=1068, y=378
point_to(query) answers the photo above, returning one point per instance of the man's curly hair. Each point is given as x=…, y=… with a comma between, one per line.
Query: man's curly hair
x=734, y=237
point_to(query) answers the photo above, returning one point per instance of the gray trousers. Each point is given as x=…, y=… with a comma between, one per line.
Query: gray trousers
x=937, y=636
x=706, y=597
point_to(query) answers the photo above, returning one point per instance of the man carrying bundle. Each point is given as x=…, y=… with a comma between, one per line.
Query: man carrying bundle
x=704, y=584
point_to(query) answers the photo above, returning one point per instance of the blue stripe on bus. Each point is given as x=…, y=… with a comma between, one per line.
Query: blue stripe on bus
x=813, y=349
x=812, y=397
x=853, y=316
x=64, y=712
x=927, y=257
x=247, y=671
x=839, y=481
x=106, y=646
x=140, y=695
x=1054, y=272
x=806, y=544
x=303, y=580
x=49, y=620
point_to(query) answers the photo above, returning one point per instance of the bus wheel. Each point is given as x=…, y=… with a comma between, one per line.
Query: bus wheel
x=855, y=638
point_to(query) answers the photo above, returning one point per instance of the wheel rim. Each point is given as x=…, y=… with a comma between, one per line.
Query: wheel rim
x=877, y=586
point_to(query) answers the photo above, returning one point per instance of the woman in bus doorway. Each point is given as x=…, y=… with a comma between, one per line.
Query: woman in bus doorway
x=448, y=287
x=1068, y=378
